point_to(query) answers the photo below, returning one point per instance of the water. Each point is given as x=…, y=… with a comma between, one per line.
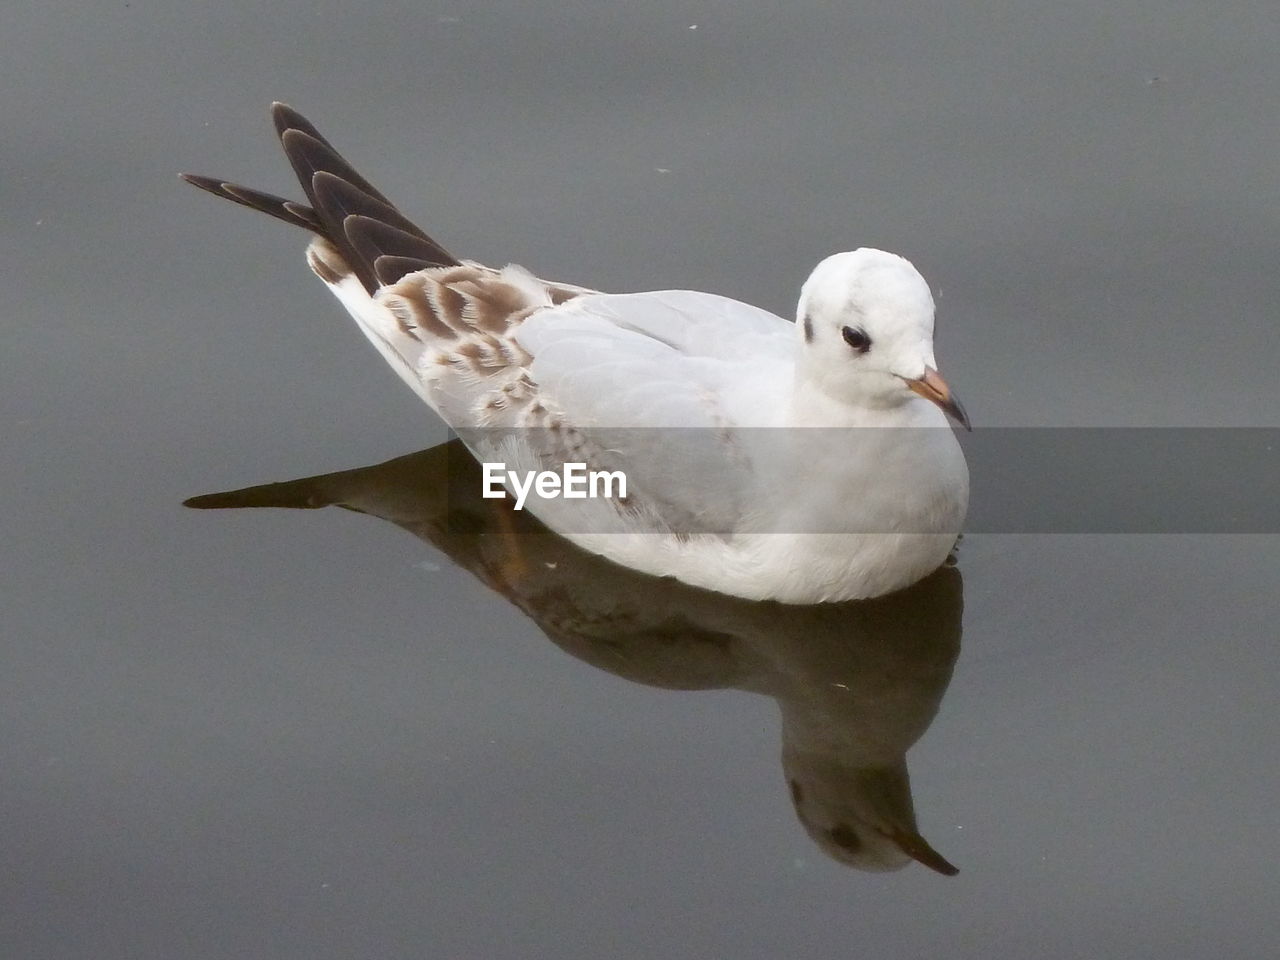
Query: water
x=277, y=734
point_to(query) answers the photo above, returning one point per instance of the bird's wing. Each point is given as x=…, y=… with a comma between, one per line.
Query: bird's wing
x=661, y=386
x=670, y=358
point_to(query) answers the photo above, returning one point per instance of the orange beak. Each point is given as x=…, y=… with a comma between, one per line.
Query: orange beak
x=934, y=389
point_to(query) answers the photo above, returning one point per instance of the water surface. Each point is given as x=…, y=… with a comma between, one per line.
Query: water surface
x=281, y=734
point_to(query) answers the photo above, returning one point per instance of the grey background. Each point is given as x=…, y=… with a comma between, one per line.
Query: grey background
x=284, y=735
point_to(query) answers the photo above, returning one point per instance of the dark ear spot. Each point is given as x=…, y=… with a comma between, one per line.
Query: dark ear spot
x=844, y=837
x=808, y=330
x=797, y=795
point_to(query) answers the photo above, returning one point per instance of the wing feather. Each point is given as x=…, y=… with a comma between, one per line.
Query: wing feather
x=337, y=193
x=286, y=118
x=296, y=214
x=390, y=269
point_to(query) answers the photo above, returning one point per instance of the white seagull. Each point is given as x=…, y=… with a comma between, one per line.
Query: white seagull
x=801, y=462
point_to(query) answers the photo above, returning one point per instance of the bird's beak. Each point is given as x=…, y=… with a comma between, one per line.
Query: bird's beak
x=934, y=389
x=918, y=849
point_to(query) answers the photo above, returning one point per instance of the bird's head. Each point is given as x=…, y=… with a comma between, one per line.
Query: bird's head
x=866, y=320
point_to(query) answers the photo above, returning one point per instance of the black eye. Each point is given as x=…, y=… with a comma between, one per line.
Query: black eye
x=856, y=339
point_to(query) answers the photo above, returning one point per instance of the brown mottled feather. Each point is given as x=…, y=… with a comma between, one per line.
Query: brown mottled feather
x=411, y=295
x=470, y=303
x=443, y=300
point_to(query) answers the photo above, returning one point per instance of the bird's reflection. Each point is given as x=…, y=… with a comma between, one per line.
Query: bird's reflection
x=857, y=683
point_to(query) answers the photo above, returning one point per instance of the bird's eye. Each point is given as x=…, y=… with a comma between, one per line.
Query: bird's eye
x=856, y=339
x=843, y=836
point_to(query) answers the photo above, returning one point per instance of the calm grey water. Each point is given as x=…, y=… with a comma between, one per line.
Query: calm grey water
x=312, y=735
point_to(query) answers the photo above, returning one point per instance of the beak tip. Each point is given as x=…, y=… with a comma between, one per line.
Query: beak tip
x=934, y=389
x=917, y=848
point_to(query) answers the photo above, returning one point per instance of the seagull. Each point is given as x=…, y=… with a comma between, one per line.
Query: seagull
x=803, y=462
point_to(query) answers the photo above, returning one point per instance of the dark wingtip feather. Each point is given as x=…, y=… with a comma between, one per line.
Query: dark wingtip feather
x=286, y=118
x=342, y=200
x=389, y=269
x=371, y=235
x=343, y=197
x=296, y=214
x=310, y=153
x=195, y=179
x=287, y=210
x=209, y=184
x=373, y=239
